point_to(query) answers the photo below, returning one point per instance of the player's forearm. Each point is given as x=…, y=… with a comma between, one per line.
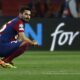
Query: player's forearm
x=24, y=38
x=28, y=40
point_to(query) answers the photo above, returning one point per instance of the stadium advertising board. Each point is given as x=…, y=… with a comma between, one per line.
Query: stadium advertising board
x=53, y=34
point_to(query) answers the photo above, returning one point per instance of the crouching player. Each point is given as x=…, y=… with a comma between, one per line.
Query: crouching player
x=11, y=47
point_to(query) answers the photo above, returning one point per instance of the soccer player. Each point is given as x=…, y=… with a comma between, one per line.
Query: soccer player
x=13, y=41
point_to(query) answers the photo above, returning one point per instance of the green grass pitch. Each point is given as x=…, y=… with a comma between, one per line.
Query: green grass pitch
x=38, y=65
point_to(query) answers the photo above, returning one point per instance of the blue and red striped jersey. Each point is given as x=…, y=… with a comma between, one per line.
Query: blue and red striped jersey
x=11, y=29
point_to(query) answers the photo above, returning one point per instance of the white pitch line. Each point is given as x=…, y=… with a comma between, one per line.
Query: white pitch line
x=41, y=73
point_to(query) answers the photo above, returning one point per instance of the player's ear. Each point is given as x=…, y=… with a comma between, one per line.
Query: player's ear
x=20, y=14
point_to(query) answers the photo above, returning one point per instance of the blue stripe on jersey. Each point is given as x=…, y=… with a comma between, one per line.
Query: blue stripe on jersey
x=9, y=32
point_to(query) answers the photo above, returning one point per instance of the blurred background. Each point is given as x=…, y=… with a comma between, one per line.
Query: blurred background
x=42, y=8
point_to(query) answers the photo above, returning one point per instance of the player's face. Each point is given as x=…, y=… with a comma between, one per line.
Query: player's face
x=26, y=15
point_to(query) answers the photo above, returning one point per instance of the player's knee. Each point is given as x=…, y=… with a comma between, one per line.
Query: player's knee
x=24, y=44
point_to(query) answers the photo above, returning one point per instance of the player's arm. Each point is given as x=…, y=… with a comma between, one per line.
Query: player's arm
x=24, y=38
x=19, y=27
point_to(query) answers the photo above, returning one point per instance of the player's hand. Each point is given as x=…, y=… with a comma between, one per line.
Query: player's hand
x=35, y=43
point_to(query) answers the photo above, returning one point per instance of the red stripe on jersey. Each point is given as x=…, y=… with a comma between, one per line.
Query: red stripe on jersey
x=19, y=27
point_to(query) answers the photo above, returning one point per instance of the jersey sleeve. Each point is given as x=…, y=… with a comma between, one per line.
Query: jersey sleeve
x=19, y=27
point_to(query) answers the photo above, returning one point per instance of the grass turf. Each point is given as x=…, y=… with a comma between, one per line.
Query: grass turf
x=34, y=65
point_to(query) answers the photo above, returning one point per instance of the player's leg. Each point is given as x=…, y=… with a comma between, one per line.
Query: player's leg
x=23, y=46
x=2, y=49
x=15, y=50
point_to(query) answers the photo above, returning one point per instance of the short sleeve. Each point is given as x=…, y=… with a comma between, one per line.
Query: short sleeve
x=19, y=26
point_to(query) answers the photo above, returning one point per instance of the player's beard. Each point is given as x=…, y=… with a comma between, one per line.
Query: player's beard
x=26, y=19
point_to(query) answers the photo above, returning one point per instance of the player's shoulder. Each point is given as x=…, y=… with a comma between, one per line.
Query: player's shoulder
x=19, y=20
x=19, y=24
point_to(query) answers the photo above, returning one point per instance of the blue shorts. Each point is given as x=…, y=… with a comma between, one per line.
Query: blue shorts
x=7, y=48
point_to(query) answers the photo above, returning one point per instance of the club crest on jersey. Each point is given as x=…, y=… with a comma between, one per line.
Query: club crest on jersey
x=21, y=27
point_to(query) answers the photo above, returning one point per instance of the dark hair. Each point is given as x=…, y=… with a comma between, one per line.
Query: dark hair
x=23, y=8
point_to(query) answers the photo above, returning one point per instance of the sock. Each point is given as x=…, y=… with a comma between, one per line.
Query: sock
x=16, y=53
